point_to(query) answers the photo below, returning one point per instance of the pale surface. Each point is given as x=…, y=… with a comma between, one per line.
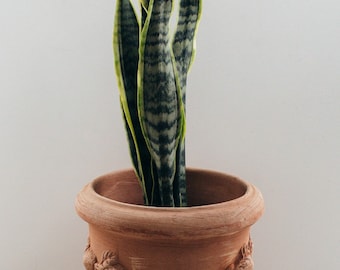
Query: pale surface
x=265, y=90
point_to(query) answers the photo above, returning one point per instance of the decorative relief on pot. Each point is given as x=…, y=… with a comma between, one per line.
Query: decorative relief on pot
x=89, y=258
x=244, y=260
x=109, y=260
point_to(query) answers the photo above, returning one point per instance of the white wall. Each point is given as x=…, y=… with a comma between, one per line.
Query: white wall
x=263, y=103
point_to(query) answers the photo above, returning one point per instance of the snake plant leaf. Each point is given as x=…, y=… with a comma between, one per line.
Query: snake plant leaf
x=159, y=98
x=183, y=44
x=184, y=51
x=144, y=3
x=125, y=44
x=144, y=11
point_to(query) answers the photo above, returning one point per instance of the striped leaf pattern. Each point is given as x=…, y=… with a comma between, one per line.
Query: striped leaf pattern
x=159, y=96
x=152, y=73
x=125, y=43
x=184, y=39
x=184, y=51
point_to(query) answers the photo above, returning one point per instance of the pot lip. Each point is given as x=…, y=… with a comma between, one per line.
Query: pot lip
x=180, y=222
x=249, y=188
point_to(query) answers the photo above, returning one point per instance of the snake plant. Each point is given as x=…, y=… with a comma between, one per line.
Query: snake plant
x=152, y=63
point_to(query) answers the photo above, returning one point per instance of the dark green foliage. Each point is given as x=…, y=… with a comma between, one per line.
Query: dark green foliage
x=152, y=72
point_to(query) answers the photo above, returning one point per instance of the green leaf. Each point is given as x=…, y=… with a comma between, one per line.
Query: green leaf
x=184, y=51
x=125, y=44
x=159, y=98
x=183, y=45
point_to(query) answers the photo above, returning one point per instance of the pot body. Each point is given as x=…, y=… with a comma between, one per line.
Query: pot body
x=213, y=233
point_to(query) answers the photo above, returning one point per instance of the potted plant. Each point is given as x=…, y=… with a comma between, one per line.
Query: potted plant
x=162, y=215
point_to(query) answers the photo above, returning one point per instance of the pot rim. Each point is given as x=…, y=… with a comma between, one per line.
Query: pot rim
x=229, y=216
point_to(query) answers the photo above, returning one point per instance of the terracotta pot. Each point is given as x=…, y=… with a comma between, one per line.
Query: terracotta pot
x=211, y=234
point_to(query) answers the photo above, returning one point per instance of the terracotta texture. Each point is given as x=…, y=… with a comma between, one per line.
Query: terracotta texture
x=212, y=234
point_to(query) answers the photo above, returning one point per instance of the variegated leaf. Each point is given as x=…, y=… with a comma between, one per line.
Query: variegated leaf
x=160, y=104
x=184, y=50
x=126, y=43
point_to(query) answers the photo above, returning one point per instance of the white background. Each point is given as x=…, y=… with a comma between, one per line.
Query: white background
x=263, y=104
